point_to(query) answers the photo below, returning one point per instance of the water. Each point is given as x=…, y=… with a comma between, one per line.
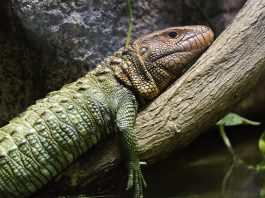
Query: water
x=198, y=171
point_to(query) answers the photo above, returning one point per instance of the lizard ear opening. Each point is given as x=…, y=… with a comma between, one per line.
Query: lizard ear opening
x=143, y=50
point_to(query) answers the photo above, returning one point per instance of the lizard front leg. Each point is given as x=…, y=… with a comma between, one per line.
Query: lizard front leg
x=125, y=121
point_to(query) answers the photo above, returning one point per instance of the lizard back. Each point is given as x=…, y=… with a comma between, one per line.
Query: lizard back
x=48, y=136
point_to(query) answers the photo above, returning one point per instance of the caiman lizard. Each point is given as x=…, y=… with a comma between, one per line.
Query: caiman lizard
x=42, y=141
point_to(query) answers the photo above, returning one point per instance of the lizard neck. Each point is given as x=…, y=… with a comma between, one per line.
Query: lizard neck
x=139, y=76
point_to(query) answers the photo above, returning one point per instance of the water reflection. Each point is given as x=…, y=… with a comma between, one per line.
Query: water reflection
x=199, y=170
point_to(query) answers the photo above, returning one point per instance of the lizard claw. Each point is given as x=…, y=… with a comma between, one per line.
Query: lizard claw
x=136, y=179
x=143, y=163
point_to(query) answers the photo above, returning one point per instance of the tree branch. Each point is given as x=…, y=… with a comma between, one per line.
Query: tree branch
x=217, y=82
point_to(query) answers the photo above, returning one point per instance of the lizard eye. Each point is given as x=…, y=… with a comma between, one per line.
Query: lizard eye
x=172, y=34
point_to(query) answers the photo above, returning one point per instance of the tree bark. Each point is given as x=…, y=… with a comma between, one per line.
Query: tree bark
x=218, y=81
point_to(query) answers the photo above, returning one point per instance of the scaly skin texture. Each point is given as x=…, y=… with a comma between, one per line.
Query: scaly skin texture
x=50, y=135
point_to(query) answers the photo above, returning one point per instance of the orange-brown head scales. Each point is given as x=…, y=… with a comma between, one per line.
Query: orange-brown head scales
x=152, y=62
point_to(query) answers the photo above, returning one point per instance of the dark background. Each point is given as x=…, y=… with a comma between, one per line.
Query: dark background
x=45, y=44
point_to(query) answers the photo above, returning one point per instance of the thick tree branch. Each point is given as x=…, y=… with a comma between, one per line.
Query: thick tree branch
x=222, y=76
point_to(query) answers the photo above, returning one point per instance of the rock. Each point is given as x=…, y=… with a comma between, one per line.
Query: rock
x=77, y=35
x=15, y=69
x=60, y=41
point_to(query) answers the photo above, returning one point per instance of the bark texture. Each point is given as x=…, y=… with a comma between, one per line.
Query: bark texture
x=218, y=81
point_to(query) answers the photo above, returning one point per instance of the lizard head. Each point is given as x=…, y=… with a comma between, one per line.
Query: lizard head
x=152, y=62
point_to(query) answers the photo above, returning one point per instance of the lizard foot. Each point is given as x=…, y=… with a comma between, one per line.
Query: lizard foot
x=136, y=179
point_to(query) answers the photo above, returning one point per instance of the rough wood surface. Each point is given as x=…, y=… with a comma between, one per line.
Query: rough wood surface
x=217, y=82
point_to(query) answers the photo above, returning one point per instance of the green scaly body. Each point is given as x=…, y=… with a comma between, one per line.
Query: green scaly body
x=50, y=135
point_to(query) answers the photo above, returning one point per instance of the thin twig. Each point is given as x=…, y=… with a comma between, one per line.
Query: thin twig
x=130, y=28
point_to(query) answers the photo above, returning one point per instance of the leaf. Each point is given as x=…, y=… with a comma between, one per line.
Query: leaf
x=233, y=119
x=261, y=165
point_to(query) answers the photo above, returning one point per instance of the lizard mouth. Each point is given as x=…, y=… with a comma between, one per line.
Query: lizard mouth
x=179, y=53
